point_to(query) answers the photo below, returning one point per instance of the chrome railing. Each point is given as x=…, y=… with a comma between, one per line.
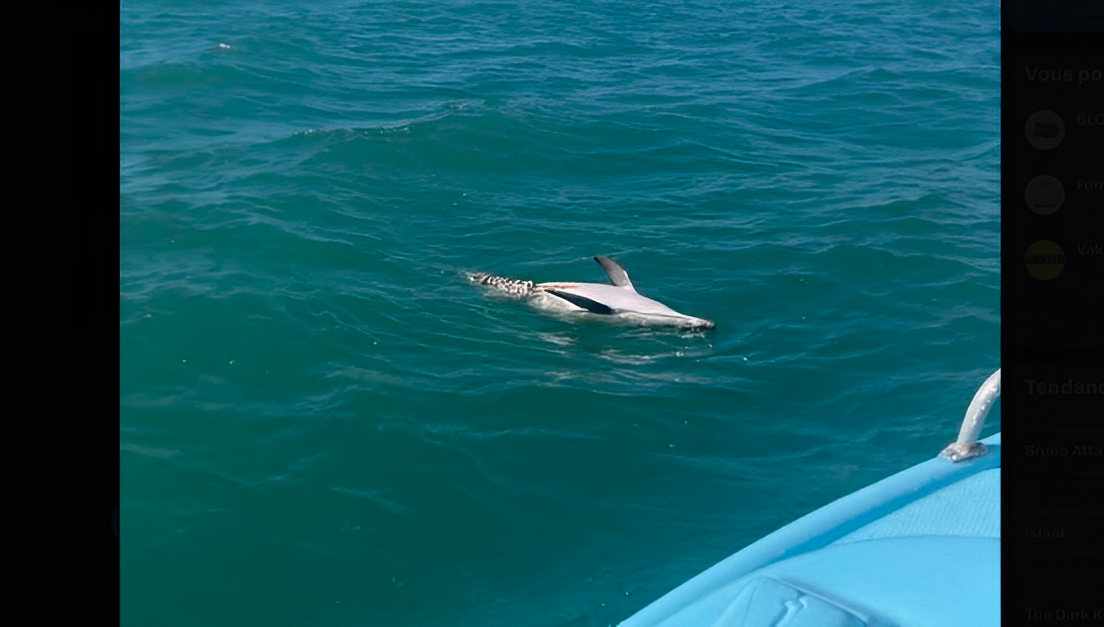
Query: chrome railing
x=967, y=445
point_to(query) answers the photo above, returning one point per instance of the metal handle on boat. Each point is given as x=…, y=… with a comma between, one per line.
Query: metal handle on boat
x=967, y=445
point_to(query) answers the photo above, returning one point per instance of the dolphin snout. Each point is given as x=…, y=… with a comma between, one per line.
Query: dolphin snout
x=700, y=323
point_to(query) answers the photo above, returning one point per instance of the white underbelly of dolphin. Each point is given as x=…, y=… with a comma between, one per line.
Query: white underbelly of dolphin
x=618, y=301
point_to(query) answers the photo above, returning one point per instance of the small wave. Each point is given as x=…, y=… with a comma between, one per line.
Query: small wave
x=375, y=497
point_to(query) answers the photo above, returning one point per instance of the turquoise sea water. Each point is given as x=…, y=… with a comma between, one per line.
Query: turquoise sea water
x=323, y=423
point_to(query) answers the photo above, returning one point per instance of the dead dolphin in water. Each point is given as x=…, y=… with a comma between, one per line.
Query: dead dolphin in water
x=619, y=300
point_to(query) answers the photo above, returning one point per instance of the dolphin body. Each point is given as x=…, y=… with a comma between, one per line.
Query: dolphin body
x=619, y=300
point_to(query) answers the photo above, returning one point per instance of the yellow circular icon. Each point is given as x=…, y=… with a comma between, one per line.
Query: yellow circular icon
x=1045, y=260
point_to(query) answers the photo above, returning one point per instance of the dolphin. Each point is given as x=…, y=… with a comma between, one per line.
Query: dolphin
x=620, y=300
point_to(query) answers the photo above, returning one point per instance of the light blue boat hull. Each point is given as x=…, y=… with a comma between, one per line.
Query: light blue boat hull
x=920, y=548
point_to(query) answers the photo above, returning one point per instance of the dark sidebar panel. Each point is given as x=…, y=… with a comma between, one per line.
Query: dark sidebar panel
x=1052, y=312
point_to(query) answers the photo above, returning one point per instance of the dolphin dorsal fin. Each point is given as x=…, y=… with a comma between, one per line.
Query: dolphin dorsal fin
x=615, y=272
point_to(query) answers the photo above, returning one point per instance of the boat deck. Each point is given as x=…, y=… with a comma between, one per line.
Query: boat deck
x=921, y=547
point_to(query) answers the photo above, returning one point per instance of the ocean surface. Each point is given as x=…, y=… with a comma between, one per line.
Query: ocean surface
x=324, y=423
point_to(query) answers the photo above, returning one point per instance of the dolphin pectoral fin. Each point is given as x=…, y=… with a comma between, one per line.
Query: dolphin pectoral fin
x=581, y=301
x=615, y=272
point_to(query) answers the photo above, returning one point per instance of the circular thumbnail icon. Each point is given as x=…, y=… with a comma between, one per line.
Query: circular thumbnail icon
x=1044, y=194
x=1045, y=260
x=1045, y=130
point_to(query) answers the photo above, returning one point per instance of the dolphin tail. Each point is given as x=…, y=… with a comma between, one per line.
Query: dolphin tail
x=514, y=287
